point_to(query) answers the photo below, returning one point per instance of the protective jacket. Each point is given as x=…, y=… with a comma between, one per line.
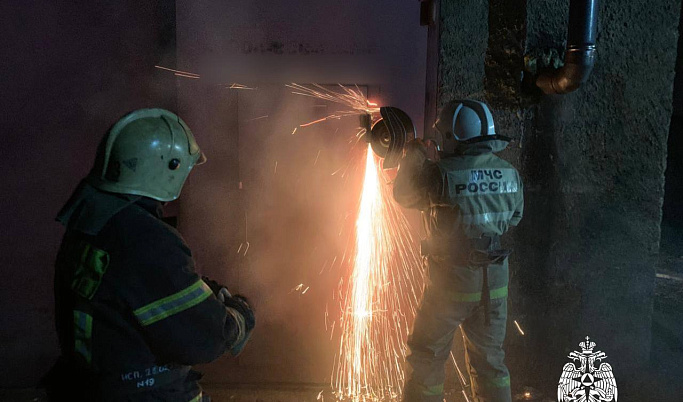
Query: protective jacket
x=468, y=201
x=467, y=195
x=131, y=313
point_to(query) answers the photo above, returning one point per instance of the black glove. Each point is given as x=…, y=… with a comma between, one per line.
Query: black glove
x=240, y=304
x=213, y=285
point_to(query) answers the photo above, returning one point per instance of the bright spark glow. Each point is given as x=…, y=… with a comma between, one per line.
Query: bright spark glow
x=379, y=300
x=381, y=297
x=349, y=97
x=519, y=328
x=179, y=72
x=300, y=289
x=235, y=85
x=187, y=76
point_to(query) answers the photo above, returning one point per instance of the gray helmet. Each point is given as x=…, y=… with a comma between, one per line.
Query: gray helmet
x=466, y=121
x=149, y=152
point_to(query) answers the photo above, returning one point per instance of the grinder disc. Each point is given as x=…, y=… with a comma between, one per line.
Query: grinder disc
x=390, y=134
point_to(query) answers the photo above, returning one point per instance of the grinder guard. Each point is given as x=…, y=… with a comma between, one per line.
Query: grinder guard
x=390, y=134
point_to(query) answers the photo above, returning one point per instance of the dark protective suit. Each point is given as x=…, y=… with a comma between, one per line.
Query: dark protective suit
x=468, y=200
x=131, y=313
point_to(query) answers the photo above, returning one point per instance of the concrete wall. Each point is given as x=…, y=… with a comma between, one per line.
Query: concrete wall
x=593, y=163
x=672, y=235
x=68, y=71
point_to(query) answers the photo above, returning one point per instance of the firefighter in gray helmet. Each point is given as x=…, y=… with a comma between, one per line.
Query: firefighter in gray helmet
x=469, y=198
x=132, y=315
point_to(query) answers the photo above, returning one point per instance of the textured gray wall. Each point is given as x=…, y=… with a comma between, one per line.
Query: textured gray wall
x=593, y=163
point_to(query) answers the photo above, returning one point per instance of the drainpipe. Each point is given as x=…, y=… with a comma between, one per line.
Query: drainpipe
x=580, y=55
x=430, y=17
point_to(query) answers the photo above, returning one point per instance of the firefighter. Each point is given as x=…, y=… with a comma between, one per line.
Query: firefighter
x=132, y=315
x=469, y=198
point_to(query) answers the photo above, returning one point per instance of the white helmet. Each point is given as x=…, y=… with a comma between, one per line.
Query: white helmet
x=466, y=121
x=148, y=152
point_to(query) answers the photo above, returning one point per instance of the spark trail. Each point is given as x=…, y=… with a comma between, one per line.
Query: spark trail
x=353, y=99
x=381, y=298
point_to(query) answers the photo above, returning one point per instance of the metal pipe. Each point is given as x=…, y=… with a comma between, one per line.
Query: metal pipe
x=580, y=55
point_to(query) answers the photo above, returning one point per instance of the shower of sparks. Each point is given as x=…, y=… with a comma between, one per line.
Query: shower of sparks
x=461, y=376
x=463, y=381
x=352, y=98
x=187, y=76
x=259, y=118
x=673, y=278
x=243, y=246
x=381, y=297
x=519, y=328
x=235, y=85
x=300, y=289
x=179, y=73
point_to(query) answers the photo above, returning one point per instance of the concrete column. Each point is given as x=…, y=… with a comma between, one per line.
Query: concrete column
x=593, y=163
x=462, y=47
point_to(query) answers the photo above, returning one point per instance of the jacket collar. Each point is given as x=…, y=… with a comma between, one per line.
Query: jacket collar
x=479, y=148
x=152, y=206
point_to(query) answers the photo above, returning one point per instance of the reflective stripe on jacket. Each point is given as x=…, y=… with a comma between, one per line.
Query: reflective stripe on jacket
x=130, y=307
x=463, y=196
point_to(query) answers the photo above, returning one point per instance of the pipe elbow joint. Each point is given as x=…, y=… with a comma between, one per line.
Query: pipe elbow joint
x=575, y=72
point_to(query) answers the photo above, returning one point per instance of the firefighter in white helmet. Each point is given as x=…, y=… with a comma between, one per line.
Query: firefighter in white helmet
x=469, y=198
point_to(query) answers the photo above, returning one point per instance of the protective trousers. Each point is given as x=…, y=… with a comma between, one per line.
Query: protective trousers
x=453, y=298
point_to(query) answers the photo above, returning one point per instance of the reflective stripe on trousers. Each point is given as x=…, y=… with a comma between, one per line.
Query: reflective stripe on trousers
x=439, y=316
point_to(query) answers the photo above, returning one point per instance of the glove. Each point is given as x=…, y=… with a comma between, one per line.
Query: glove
x=239, y=308
x=432, y=150
x=220, y=291
x=419, y=150
x=416, y=147
x=240, y=303
x=213, y=285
